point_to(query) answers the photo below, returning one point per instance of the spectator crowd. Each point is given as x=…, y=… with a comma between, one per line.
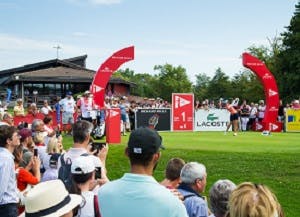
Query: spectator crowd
x=38, y=177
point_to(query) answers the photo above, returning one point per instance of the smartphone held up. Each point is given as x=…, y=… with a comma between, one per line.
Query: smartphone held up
x=35, y=152
x=97, y=146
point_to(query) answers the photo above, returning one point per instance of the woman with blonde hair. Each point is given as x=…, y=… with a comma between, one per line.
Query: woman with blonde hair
x=254, y=200
x=50, y=160
x=52, y=146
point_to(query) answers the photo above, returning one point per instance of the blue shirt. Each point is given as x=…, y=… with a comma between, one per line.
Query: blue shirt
x=57, y=109
x=123, y=109
x=137, y=195
x=195, y=205
x=8, y=184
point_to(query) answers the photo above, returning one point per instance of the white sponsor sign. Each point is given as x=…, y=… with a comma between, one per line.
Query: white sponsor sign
x=179, y=102
x=258, y=126
x=211, y=120
x=272, y=92
x=97, y=88
x=113, y=113
x=274, y=127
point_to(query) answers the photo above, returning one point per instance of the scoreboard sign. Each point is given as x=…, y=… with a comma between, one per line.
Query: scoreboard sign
x=183, y=111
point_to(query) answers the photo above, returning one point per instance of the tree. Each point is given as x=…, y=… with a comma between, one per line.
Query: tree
x=126, y=74
x=247, y=86
x=146, y=85
x=172, y=80
x=219, y=86
x=201, y=87
x=290, y=57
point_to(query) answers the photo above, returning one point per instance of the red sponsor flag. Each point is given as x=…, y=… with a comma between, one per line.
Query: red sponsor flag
x=105, y=71
x=270, y=88
x=183, y=111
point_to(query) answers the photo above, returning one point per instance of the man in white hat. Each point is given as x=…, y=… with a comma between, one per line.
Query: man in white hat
x=68, y=107
x=86, y=105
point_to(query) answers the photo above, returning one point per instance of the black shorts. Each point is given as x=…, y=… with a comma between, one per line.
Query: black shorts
x=234, y=117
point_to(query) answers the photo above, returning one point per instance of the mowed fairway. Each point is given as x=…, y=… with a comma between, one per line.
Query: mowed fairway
x=271, y=160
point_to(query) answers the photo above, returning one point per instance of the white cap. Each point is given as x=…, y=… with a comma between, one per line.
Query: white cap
x=296, y=101
x=86, y=92
x=96, y=160
x=83, y=165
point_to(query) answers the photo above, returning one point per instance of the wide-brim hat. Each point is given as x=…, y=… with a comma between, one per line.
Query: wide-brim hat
x=50, y=199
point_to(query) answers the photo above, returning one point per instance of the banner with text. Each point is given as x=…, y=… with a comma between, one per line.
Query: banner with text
x=211, y=120
x=183, y=111
x=105, y=71
x=270, y=88
x=158, y=119
x=292, y=120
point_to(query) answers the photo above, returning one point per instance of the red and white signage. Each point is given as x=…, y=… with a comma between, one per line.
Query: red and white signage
x=113, y=123
x=183, y=111
x=105, y=71
x=270, y=88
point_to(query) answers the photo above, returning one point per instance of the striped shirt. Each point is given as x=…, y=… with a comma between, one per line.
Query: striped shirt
x=8, y=184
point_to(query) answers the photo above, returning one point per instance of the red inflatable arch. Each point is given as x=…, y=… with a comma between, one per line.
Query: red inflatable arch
x=106, y=70
x=267, y=79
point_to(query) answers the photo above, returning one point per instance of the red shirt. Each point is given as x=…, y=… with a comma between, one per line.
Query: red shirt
x=25, y=178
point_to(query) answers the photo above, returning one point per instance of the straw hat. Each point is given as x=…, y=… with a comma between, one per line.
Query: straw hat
x=50, y=199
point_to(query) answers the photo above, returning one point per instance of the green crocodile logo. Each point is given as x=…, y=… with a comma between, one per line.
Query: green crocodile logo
x=211, y=117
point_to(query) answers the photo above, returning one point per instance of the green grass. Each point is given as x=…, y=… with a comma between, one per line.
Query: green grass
x=271, y=160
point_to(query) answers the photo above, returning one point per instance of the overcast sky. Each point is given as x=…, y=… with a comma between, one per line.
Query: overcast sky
x=199, y=35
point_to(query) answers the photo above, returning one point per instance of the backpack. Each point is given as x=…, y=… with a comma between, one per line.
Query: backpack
x=64, y=172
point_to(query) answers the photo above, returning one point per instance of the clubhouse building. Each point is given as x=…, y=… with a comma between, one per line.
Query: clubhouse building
x=53, y=78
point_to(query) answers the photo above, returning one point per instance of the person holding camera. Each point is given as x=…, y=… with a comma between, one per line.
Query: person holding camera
x=81, y=146
x=85, y=170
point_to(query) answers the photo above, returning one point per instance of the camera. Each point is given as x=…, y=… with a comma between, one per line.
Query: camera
x=97, y=146
x=98, y=173
x=57, y=134
x=35, y=152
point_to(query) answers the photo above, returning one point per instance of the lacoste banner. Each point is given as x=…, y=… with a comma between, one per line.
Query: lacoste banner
x=158, y=119
x=183, y=111
x=292, y=120
x=211, y=120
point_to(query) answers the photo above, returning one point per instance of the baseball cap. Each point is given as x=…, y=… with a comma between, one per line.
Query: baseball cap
x=86, y=92
x=82, y=165
x=144, y=140
x=24, y=133
x=69, y=93
x=54, y=160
